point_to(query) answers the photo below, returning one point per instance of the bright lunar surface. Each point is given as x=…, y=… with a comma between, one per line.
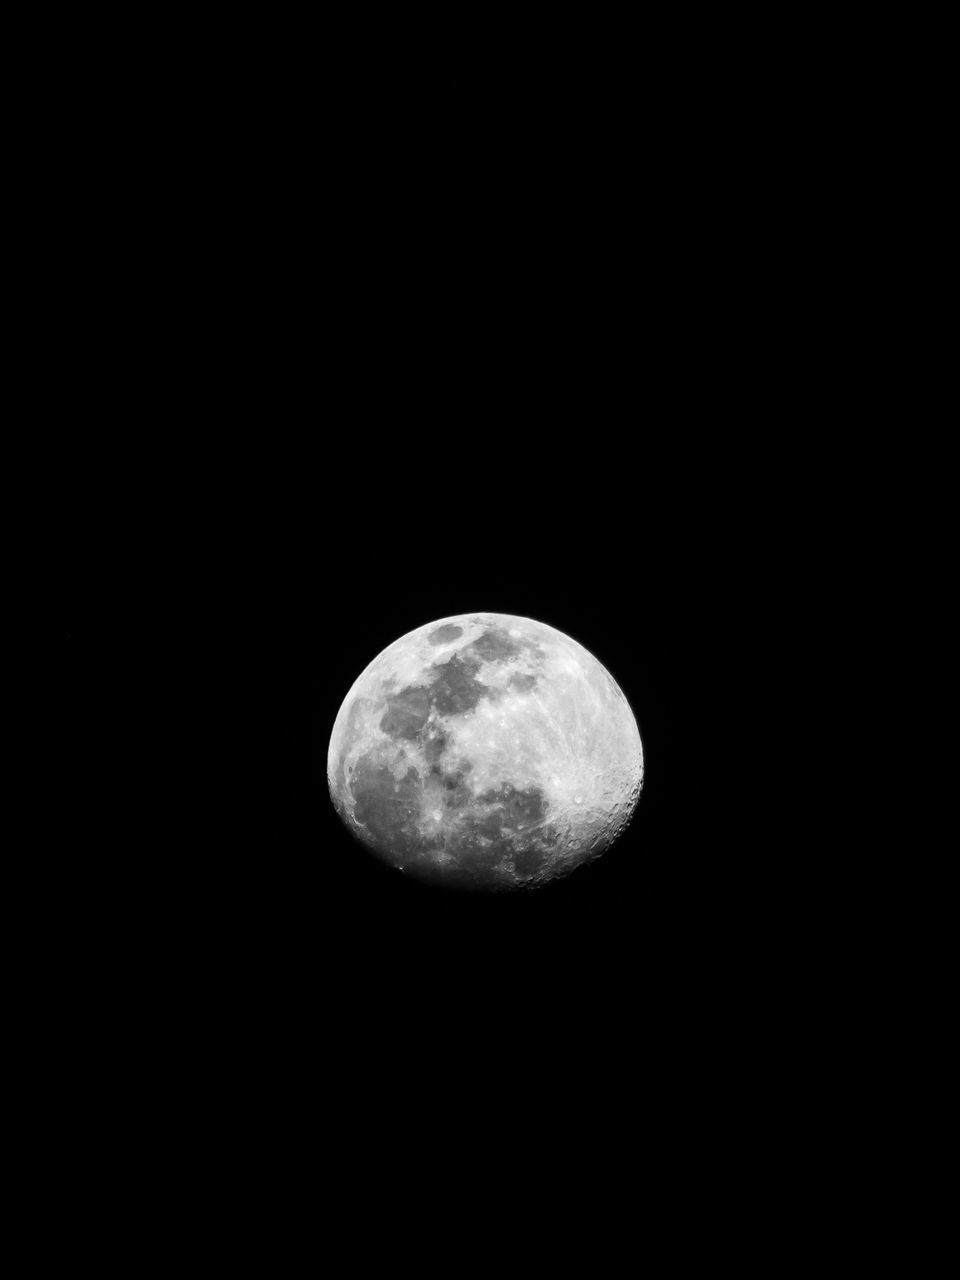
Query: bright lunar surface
x=487, y=752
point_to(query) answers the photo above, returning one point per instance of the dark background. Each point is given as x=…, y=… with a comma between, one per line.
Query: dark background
x=357, y=357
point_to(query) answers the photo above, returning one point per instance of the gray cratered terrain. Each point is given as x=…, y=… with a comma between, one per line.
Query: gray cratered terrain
x=485, y=751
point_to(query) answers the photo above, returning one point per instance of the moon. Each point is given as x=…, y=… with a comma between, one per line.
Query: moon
x=485, y=751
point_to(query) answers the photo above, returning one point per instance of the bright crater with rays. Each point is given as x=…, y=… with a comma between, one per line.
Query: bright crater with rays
x=485, y=751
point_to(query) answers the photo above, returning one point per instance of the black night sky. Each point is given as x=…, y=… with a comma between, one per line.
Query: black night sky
x=415, y=347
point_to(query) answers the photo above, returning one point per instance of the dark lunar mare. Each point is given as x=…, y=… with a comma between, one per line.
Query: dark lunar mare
x=406, y=713
x=519, y=809
x=455, y=689
x=386, y=806
x=510, y=824
x=485, y=834
x=444, y=634
x=495, y=646
x=523, y=683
